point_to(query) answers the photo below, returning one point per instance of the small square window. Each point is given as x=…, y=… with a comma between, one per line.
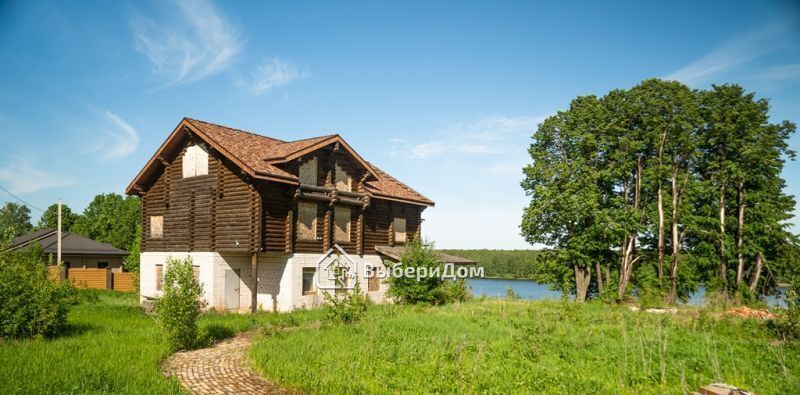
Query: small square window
x=156, y=226
x=308, y=281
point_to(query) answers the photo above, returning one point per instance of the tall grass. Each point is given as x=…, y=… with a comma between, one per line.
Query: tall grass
x=524, y=347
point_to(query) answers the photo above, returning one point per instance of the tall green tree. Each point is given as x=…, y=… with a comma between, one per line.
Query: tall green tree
x=564, y=182
x=743, y=156
x=16, y=217
x=111, y=218
x=49, y=218
x=661, y=182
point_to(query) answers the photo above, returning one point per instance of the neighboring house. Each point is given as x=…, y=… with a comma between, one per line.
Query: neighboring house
x=240, y=203
x=76, y=251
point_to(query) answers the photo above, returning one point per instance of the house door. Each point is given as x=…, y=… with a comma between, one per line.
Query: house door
x=232, y=289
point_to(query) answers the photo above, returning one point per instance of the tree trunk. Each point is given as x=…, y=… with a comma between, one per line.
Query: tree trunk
x=582, y=278
x=723, y=259
x=629, y=242
x=756, y=272
x=661, y=208
x=599, y=278
x=660, y=233
x=676, y=243
x=608, y=275
x=740, y=234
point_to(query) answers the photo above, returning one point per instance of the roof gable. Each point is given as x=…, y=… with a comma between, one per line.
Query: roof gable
x=259, y=157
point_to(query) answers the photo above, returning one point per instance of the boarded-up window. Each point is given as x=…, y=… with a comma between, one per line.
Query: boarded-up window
x=156, y=226
x=307, y=221
x=159, y=277
x=308, y=172
x=341, y=179
x=341, y=221
x=374, y=283
x=399, y=230
x=195, y=162
x=308, y=281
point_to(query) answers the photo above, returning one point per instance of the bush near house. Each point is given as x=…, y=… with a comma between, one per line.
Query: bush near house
x=31, y=305
x=431, y=289
x=181, y=305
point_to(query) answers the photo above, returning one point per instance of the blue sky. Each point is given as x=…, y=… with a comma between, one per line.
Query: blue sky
x=443, y=95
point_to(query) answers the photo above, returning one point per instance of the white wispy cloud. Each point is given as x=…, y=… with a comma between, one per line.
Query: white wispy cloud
x=22, y=175
x=270, y=74
x=199, y=43
x=736, y=53
x=779, y=73
x=114, y=137
x=494, y=135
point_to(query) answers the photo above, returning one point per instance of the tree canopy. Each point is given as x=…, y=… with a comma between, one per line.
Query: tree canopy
x=660, y=186
x=17, y=217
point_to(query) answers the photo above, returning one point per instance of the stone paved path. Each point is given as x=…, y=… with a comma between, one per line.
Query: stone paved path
x=221, y=369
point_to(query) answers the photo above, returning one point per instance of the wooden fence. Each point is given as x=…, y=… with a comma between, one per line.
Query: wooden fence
x=125, y=281
x=89, y=278
x=96, y=278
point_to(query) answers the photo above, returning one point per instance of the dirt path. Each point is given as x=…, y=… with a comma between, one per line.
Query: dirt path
x=221, y=369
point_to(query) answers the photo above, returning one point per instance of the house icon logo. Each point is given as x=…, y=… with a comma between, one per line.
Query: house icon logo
x=336, y=271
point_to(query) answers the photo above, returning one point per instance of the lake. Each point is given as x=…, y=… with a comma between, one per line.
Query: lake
x=529, y=289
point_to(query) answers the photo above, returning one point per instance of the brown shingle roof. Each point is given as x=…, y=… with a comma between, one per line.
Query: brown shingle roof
x=258, y=155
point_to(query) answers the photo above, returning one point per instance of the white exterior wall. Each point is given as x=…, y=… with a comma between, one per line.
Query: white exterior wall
x=280, y=278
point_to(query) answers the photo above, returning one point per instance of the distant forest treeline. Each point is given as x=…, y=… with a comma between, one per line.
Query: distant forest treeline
x=501, y=263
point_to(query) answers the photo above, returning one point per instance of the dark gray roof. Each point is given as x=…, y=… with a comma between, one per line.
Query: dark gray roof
x=70, y=244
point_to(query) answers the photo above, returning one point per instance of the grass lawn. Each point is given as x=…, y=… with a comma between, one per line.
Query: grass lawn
x=111, y=347
x=550, y=347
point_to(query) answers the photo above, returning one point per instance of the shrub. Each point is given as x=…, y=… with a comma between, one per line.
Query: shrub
x=453, y=291
x=180, y=306
x=410, y=290
x=349, y=307
x=31, y=304
x=787, y=326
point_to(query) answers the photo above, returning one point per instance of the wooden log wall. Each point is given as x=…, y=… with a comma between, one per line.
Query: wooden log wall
x=227, y=212
x=215, y=212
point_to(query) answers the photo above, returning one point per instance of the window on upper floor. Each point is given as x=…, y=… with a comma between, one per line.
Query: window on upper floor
x=195, y=161
x=399, y=229
x=341, y=222
x=307, y=221
x=156, y=226
x=308, y=171
x=341, y=180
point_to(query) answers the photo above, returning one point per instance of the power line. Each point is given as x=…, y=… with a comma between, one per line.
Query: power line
x=20, y=200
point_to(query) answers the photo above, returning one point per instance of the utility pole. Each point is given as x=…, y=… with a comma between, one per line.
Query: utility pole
x=58, y=262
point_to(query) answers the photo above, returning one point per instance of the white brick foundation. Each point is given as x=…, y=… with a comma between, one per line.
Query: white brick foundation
x=280, y=278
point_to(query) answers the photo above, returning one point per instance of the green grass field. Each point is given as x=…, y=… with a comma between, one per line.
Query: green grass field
x=111, y=347
x=494, y=346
